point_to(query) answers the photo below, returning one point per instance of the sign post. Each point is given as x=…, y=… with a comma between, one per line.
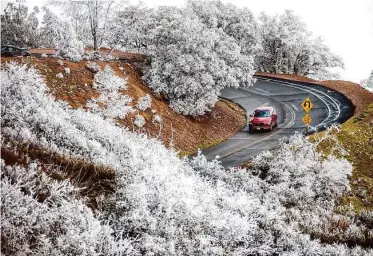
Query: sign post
x=307, y=106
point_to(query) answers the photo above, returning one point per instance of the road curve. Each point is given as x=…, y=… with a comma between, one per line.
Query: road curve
x=286, y=97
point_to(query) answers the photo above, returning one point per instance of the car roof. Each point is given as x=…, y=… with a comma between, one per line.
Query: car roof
x=264, y=108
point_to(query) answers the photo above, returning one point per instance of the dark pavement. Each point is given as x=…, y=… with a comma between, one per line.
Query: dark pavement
x=286, y=97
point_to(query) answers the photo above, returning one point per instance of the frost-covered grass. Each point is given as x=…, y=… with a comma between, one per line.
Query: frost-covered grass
x=356, y=137
x=163, y=205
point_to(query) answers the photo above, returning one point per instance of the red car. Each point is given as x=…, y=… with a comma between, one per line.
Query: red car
x=263, y=118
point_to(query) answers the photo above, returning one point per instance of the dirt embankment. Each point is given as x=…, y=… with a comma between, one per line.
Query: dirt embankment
x=359, y=96
x=186, y=133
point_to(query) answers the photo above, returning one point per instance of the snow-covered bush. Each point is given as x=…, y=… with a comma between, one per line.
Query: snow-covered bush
x=157, y=119
x=92, y=66
x=44, y=55
x=107, y=80
x=115, y=104
x=60, y=62
x=59, y=75
x=139, y=121
x=165, y=205
x=67, y=71
x=144, y=102
x=40, y=216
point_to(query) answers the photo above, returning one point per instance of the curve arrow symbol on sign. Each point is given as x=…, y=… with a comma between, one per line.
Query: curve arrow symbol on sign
x=307, y=105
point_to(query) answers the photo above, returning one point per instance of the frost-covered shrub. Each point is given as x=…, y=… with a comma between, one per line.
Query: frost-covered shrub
x=44, y=55
x=107, y=80
x=121, y=68
x=166, y=205
x=40, y=216
x=139, y=121
x=115, y=105
x=67, y=71
x=92, y=66
x=59, y=76
x=144, y=102
x=157, y=119
x=60, y=62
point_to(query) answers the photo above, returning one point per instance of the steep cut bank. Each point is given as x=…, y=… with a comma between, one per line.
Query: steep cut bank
x=186, y=134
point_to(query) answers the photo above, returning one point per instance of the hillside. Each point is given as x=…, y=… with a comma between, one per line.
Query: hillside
x=186, y=133
x=82, y=185
x=355, y=136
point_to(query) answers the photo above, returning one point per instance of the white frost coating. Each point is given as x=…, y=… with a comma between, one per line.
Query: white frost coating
x=60, y=62
x=115, y=104
x=92, y=66
x=107, y=80
x=44, y=55
x=121, y=68
x=144, y=102
x=59, y=75
x=67, y=71
x=157, y=119
x=139, y=121
x=164, y=205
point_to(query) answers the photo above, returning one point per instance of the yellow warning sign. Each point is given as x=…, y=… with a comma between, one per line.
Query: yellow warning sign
x=307, y=105
x=307, y=119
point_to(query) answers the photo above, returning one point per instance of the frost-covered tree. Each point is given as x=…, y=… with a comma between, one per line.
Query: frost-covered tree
x=368, y=83
x=18, y=27
x=190, y=63
x=131, y=28
x=90, y=18
x=288, y=47
x=236, y=22
x=59, y=34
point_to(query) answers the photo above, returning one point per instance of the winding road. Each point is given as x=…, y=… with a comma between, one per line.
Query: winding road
x=286, y=97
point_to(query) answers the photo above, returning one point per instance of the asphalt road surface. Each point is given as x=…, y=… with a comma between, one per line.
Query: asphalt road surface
x=286, y=97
